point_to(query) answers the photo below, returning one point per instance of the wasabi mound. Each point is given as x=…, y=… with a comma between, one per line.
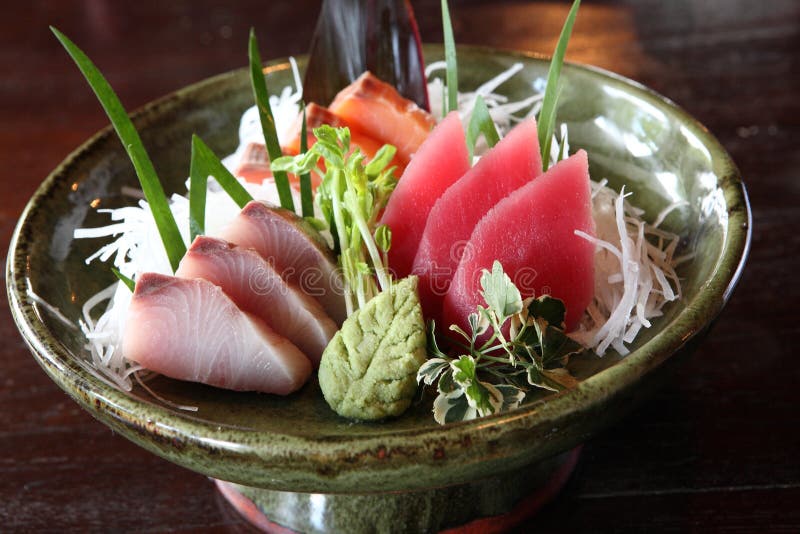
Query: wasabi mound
x=368, y=371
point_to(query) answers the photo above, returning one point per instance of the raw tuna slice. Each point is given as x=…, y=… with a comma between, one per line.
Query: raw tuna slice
x=294, y=249
x=256, y=287
x=191, y=330
x=532, y=233
x=440, y=161
x=376, y=108
x=512, y=163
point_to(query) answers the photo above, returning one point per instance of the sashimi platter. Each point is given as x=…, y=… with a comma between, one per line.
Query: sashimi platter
x=366, y=273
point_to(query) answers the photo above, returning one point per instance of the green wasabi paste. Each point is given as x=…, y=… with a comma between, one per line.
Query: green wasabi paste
x=368, y=370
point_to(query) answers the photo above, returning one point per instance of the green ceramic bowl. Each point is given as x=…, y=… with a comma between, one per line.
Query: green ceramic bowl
x=634, y=137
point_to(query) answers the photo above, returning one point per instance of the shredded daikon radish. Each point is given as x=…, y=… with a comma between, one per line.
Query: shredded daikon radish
x=634, y=278
x=504, y=113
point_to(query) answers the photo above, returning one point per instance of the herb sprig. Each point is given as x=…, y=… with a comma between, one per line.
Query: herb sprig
x=486, y=377
x=351, y=196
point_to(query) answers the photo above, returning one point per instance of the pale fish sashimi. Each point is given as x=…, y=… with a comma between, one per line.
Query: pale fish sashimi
x=294, y=248
x=256, y=287
x=190, y=330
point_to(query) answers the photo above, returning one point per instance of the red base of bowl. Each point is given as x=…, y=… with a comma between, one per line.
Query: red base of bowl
x=271, y=511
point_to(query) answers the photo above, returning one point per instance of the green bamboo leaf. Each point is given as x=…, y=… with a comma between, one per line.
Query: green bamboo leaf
x=124, y=279
x=481, y=122
x=205, y=163
x=261, y=95
x=148, y=179
x=452, y=62
x=306, y=197
x=547, y=116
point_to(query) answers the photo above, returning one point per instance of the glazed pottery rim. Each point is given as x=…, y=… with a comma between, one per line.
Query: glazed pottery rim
x=118, y=410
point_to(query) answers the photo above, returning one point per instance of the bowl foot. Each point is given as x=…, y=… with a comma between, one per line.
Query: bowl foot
x=490, y=505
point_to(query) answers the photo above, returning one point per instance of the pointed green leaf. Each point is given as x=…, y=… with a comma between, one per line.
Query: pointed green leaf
x=306, y=195
x=124, y=279
x=151, y=186
x=481, y=122
x=547, y=115
x=452, y=62
x=261, y=94
x=205, y=163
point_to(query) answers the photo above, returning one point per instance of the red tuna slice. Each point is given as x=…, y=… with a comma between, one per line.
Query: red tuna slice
x=294, y=249
x=440, y=161
x=191, y=330
x=512, y=163
x=532, y=233
x=256, y=287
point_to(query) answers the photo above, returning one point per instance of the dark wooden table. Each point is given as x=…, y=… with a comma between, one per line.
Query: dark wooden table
x=716, y=449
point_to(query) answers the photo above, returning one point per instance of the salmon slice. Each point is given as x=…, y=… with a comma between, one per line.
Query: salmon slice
x=190, y=330
x=375, y=107
x=256, y=287
x=316, y=116
x=295, y=250
x=254, y=165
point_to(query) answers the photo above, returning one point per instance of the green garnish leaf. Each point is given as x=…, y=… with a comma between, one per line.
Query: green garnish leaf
x=261, y=95
x=550, y=309
x=464, y=370
x=512, y=396
x=497, y=375
x=547, y=115
x=481, y=122
x=452, y=62
x=124, y=279
x=452, y=407
x=148, y=179
x=500, y=293
x=429, y=371
x=306, y=198
x=205, y=163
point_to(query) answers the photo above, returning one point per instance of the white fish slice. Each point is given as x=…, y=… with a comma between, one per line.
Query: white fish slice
x=255, y=286
x=191, y=330
x=295, y=249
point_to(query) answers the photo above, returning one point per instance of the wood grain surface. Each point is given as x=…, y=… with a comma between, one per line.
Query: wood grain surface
x=714, y=450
